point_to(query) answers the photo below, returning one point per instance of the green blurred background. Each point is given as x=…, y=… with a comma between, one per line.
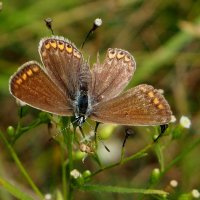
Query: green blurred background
x=163, y=36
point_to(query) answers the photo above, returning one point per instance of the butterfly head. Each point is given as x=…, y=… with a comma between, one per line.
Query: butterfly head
x=80, y=120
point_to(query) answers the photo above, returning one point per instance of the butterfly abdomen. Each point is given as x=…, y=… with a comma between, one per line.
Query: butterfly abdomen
x=82, y=103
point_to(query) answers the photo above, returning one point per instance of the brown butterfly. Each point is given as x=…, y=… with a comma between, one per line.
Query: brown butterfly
x=65, y=85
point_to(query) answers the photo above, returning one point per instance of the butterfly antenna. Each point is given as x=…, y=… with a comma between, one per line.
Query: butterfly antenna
x=48, y=22
x=97, y=23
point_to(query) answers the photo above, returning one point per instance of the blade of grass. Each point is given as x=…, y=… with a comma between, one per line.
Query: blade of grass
x=123, y=190
x=14, y=190
x=163, y=55
x=137, y=155
x=184, y=152
x=20, y=166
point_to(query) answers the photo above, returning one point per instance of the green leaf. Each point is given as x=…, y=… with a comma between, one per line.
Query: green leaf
x=14, y=190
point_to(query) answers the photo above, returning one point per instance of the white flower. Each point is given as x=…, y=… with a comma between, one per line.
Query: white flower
x=47, y=197
x=174, y=183
x=75, y=173
x=195, y=193
x=185, y=122
x=156, y=170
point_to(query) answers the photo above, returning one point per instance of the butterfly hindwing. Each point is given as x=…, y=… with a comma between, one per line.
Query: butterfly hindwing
x=139, y=106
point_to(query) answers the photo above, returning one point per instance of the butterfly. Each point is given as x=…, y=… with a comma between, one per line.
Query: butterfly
x=65, y=85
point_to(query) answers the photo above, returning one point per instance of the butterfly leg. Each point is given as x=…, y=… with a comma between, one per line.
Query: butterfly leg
x=163, y=128
x=128, y=132
x=95, y=130
x=97, y=137
x=81, y=130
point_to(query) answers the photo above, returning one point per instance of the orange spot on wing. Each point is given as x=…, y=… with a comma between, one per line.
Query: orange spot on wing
x=111, y=53
x=61, y=46
x=47, y=45
x=156, y=101
x=151, y=94
x=69, y=48
x=24, y=76
x=120, y=55
x=53, y=44
x=127, y=58
x=19, y=81
x=29, y=72
x=160, y=106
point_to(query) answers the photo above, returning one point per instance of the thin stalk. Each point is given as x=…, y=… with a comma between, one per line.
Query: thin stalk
x=181, y=156
x=176, y=160
x=139, y=154
x=68, y=140
x=21, y=130
x=64, y=174
x=20, y=166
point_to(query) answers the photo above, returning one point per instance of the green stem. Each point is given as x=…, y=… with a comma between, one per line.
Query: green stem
x=176, y=160
x=68, y=140
x=64, y=174
x=139, y=154
x=21, y=130
x=12, y=189
x=181, y=155
x=20, y=166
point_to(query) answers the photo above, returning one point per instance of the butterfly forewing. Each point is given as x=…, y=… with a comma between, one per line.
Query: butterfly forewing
x=142, y=105
x=63, y=63
x=110, y=78
x=31, y=85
